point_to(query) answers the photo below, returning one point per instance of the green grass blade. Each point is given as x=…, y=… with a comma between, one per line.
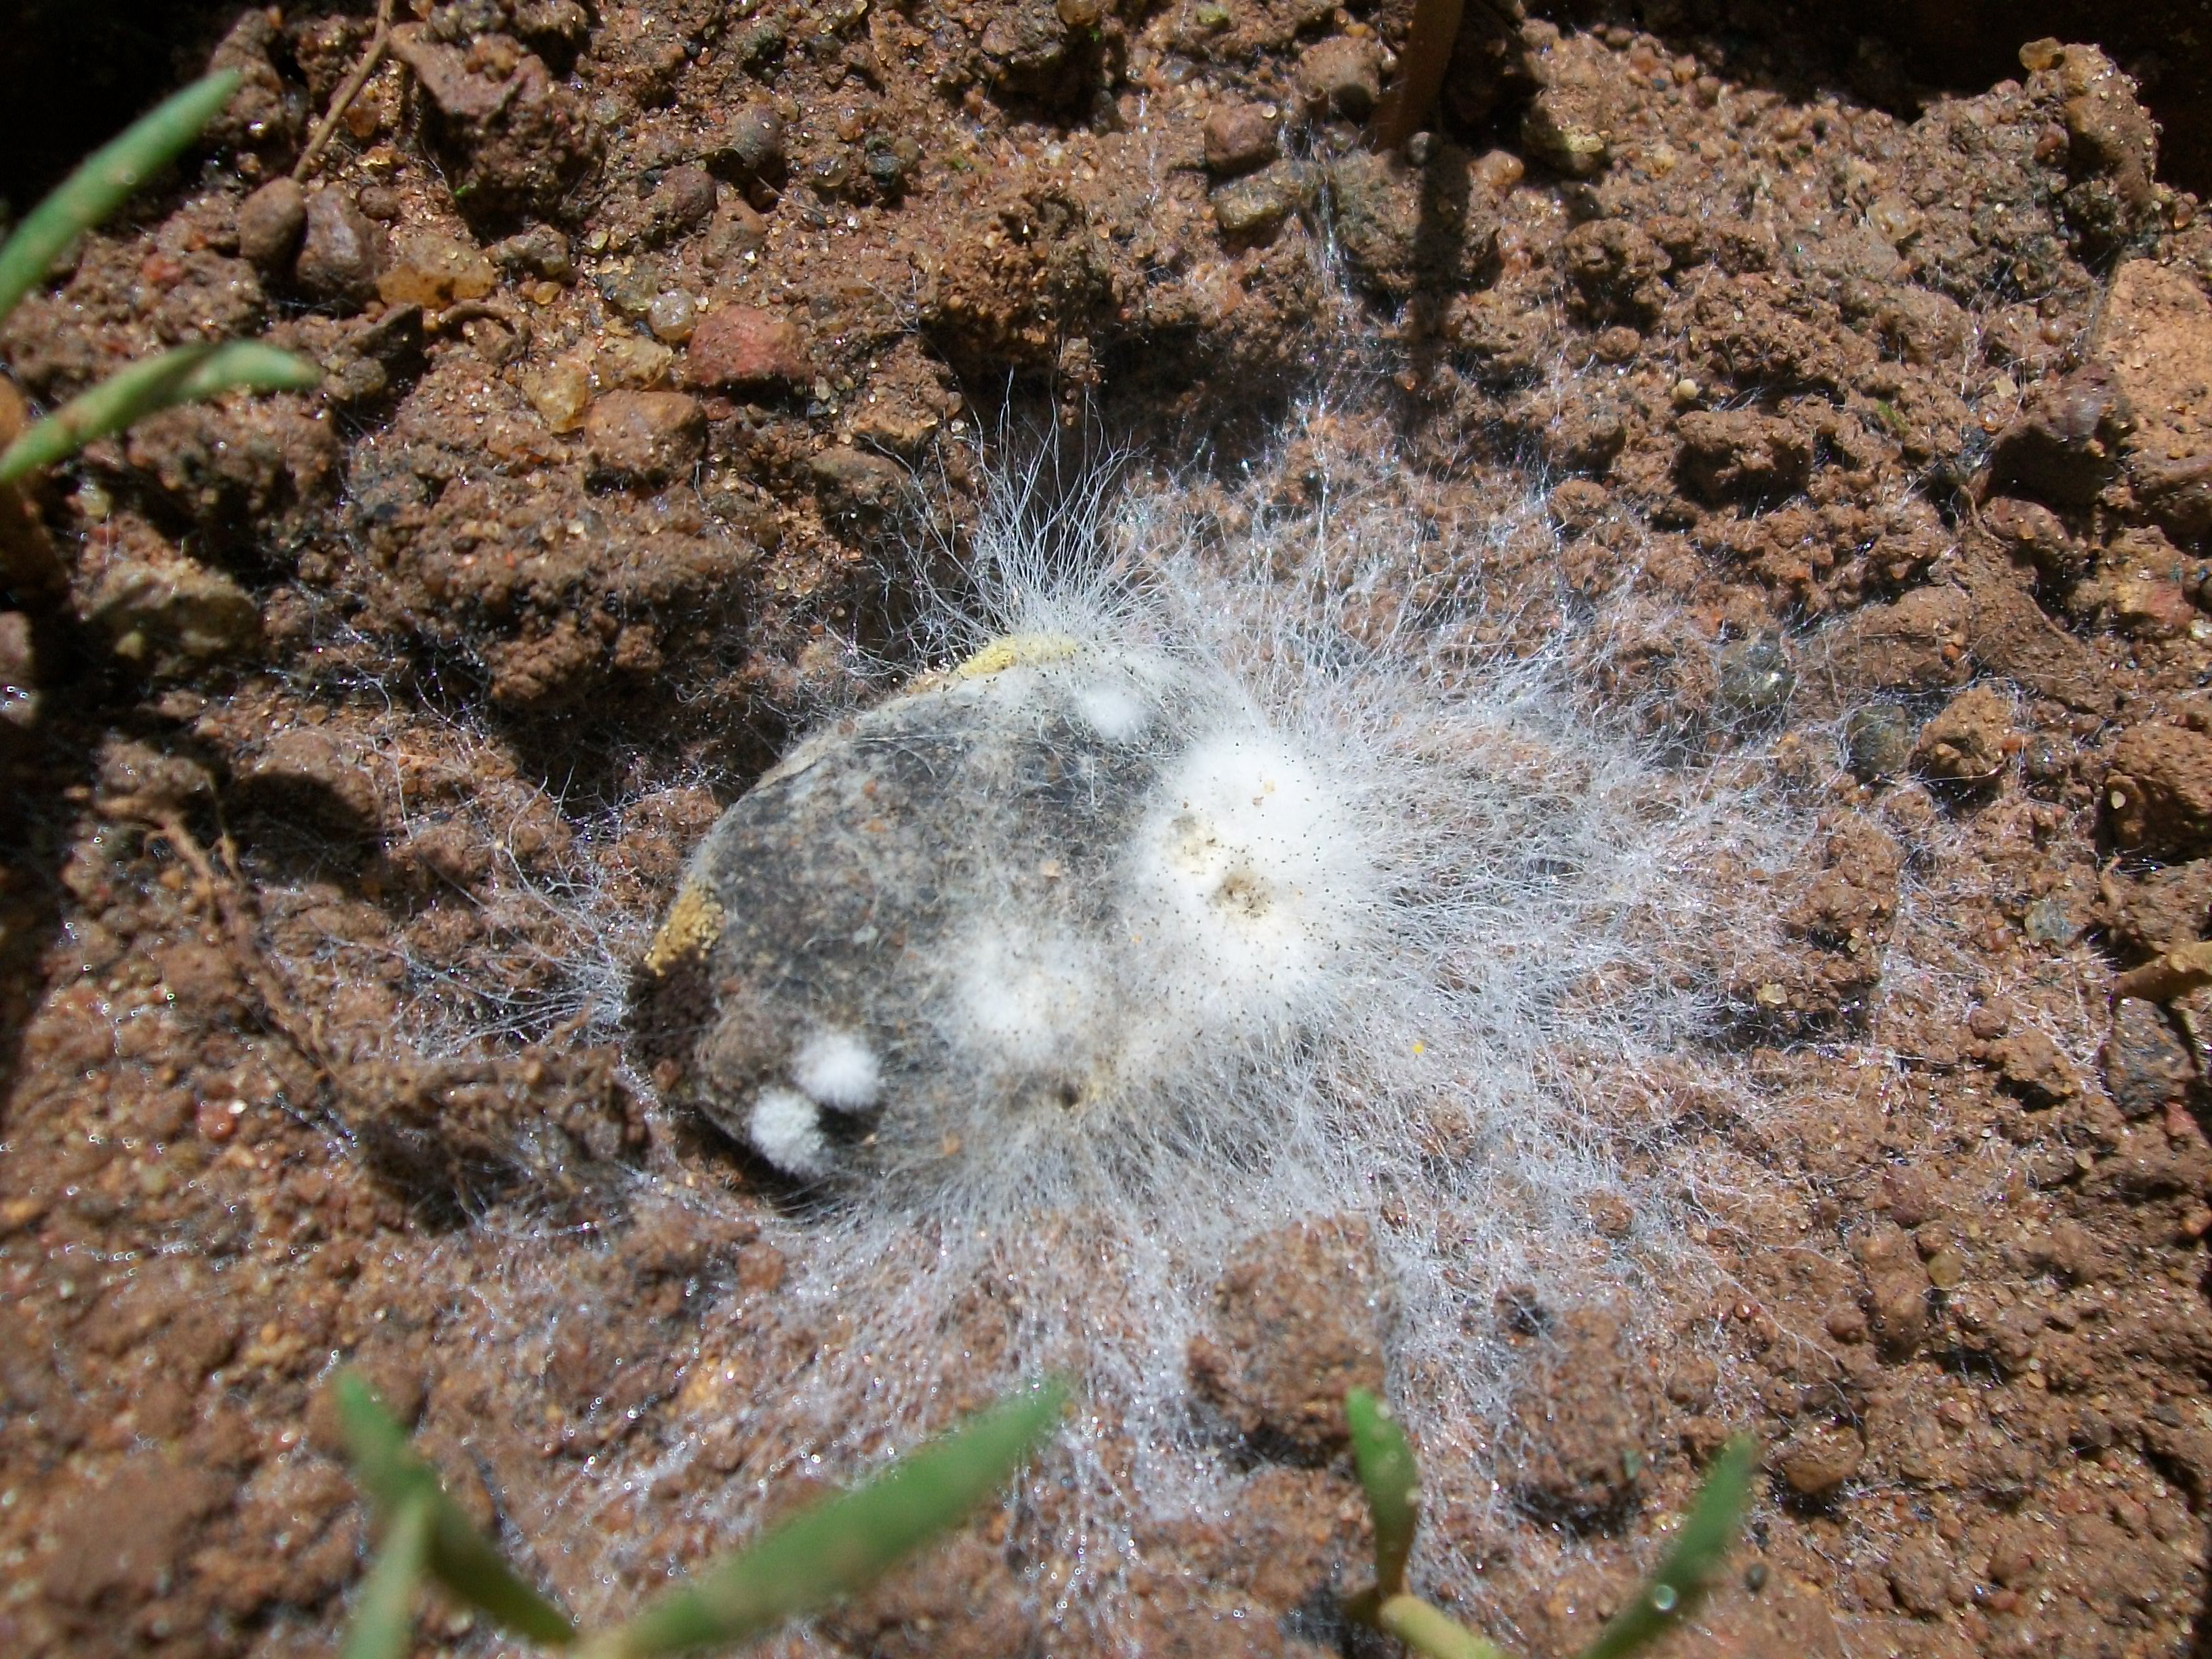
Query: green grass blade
x=185, y=375
x=383, y=1624
x=1428, y=1630
x=1392, y=1480
x=397, y=1480
x=1693, y=1562
x=105, y=181
x=844, y=1542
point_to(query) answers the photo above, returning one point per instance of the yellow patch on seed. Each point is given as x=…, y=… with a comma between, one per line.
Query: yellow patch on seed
x=695, y=923
x=1014, y=651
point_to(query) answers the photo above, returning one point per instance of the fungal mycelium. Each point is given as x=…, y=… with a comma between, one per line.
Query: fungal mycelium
x=1194, y=888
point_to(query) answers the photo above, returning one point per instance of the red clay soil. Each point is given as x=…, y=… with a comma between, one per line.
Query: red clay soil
x=637, y=322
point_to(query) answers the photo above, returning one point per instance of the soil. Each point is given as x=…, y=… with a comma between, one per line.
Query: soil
x=1895, y=402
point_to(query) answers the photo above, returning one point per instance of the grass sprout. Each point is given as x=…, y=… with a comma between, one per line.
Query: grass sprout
x=829, y=1550
x=1391, y=1479
x=101, y=186
x=185, y=375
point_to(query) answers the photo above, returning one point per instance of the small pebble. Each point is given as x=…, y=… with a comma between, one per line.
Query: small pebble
x=271, y=222
x=741, y=346
x=645, y=435
x=684, y=200
x=1238, y=138
x=672, y=317
x=540, y=250
x=1878, y=741
x=1756, y=678
x=889, y=163
x=754, y=142
x=632, y=361
x=1251, y=209
x=342, y=253
x=559, y=392
x=434, y=271
x=1342, y=76
x=632, y=292
x=1816, y=1460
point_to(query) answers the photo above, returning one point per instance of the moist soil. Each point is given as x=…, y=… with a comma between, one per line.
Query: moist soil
x=333, y=722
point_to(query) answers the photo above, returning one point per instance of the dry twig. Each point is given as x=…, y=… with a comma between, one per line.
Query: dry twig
x=379, y=38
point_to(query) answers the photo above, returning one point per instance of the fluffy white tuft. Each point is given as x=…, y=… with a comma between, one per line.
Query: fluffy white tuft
x=1252, y=880
x=839, y=1070
x=786, y=1128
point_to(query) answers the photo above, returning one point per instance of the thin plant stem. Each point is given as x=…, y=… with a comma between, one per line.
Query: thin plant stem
x=1421, y=69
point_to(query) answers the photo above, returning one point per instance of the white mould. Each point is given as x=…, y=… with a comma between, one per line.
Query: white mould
x=1199, y=886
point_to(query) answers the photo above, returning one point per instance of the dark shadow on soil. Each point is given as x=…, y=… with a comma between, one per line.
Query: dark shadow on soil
x=35, y=822
x=76, y=71
x=1896, y=53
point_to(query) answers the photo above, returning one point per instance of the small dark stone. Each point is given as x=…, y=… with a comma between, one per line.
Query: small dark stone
x=1878, y=741
x=343, y=252
x=682, y=201
x=381, y=203
x=753, y=144
x=759, y=47
x=1755, y=679
x=271, y=222
x=891, y=161
x=2147, y=1068
x=632, y=292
